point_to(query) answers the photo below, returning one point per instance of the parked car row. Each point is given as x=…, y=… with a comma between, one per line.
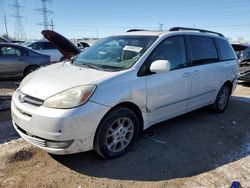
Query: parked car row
x=19, y=60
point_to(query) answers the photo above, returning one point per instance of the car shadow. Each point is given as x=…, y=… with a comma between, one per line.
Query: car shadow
x=185, y=146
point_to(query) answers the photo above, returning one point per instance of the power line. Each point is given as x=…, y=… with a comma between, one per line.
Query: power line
x=19, y=33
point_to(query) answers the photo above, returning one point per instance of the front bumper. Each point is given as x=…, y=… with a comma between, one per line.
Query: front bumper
x=40, y=125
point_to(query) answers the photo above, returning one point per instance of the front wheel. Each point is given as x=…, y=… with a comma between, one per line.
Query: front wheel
x=116, y=133
x=222, y=99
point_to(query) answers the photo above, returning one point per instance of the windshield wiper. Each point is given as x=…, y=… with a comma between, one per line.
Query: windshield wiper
x=87, y=65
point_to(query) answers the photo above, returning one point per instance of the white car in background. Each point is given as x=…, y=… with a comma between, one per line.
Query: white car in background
x=103, y=97
x=45, y=47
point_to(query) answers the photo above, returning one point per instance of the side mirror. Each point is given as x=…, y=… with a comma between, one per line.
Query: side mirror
x=160, y=66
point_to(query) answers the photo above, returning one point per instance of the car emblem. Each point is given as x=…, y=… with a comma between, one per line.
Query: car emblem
x=21, y=97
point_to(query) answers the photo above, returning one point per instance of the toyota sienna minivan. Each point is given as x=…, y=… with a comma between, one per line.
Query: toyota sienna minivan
x=103, y=97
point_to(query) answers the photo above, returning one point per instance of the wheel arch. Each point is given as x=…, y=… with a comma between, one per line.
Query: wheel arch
x=131, y=106
x=229, y=84
x=29, y=66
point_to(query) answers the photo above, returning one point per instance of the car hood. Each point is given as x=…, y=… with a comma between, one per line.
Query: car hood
x=58, y=77
x=67, y=48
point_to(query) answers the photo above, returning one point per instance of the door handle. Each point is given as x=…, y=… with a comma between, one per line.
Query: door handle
x=187, y=74
x=21, y=59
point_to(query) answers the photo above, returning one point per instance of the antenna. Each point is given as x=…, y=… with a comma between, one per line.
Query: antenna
x=19, y=33
x=45, y=12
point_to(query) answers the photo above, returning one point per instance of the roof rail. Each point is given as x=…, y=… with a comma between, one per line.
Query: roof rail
x=132, y=30
x=193, y=29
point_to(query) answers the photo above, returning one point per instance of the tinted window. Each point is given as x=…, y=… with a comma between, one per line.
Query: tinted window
x=172, y=49
x=48, y=45
x=203, y=50
x=226, y=52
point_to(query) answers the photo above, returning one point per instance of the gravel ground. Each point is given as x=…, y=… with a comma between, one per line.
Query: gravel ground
x=198, y=149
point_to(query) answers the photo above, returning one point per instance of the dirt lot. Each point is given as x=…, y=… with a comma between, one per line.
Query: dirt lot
x=199, y=149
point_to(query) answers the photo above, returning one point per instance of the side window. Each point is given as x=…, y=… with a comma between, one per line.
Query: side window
x=10, y=51
x=203, y=50
x=226, y=51
x=37, y=46
x=24, y=52
x=172, y=49
x=48, y=45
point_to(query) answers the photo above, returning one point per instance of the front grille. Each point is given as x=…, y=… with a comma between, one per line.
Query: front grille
x=32, y=139
x=23, y=98
x=32, y=100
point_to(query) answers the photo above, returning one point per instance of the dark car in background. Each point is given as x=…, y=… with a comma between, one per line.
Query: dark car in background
x=243, y=53
x=18, y=61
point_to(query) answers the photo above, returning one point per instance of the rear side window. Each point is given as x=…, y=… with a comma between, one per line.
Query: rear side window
x=226, y=52
x=203, y=50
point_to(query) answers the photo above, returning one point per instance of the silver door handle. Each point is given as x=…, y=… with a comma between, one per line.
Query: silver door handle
x=187, y=74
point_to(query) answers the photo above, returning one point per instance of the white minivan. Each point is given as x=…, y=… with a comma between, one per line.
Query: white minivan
x=102, y=98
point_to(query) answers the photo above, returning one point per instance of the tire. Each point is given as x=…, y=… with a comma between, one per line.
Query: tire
x=116, y=133
x=222, y=99
x=30, y=69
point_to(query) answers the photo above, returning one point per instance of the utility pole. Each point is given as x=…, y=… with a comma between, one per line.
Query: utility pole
x=45, y=12
x=160, y=26
x=5, y=24
x=19, y=29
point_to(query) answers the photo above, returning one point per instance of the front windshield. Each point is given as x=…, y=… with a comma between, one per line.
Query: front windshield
x=115, y=53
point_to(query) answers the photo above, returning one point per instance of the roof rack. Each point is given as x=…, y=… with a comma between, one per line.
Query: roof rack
x=132, y=30
x=193, y=29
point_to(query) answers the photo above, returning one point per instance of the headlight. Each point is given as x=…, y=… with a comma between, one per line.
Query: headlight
x=70, y=98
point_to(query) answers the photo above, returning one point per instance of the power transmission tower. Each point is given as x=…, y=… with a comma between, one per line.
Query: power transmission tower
x=45, y=12
x=19, y=33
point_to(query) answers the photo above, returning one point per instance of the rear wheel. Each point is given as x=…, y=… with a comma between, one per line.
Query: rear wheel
x=222, y=99
x=30, y=69
x=116, y=133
